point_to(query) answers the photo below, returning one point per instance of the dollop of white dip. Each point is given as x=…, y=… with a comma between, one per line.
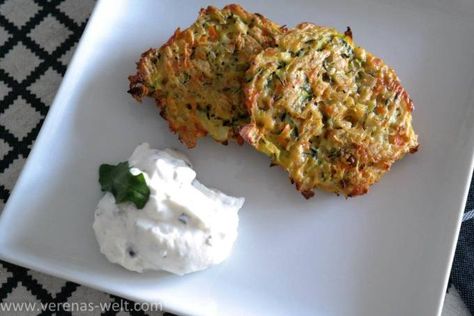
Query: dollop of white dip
x=184, y=226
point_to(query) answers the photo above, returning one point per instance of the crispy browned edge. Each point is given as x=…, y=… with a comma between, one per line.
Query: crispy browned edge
x=137, y=82
x=246, y=131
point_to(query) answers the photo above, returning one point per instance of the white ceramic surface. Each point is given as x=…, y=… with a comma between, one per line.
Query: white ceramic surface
x=385, y=253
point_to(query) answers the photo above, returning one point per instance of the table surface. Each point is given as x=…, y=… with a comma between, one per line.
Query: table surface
x=37, y=40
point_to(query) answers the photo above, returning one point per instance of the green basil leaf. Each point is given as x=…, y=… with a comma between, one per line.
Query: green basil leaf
x=125, y=187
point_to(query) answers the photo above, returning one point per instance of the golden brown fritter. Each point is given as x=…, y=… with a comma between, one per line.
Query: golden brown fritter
x=196, y=77
x=330, y=113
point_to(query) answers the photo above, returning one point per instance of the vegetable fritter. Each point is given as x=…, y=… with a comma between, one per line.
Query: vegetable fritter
x=196, y=77
x=329, y=112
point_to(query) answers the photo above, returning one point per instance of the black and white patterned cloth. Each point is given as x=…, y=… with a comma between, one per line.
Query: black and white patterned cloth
x=37, y=40
x=462, y=272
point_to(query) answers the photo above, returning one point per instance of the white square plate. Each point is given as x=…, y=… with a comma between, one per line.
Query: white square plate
x=386, y=253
